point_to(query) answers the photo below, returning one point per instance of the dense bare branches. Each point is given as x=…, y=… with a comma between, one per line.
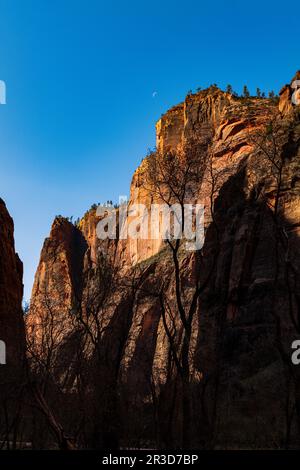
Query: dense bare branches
x=175, y=177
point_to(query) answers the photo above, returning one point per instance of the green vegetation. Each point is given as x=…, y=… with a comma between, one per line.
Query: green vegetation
x=246, y=93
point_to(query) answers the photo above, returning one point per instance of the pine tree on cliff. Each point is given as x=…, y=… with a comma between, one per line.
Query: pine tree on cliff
x=229, y=89
x=258, y=93
x=246, y=93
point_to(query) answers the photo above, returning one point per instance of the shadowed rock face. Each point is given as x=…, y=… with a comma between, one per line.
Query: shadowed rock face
x=11, y=292
x=246, y=392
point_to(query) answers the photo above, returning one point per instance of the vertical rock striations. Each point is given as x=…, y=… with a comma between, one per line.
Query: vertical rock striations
x=12, y=334
x=11, y=293
x=246, y=393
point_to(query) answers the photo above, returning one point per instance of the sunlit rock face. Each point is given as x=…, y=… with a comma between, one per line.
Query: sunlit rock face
x=57, y=288
x=237, y=368
x=231, y=123
x=286, y=103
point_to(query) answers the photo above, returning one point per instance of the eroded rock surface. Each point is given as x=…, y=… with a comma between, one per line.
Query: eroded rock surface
x=245, y=390
x=11, y=291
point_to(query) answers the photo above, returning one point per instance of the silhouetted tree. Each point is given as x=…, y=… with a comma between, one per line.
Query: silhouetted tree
x=246, y=93
x=174, y=178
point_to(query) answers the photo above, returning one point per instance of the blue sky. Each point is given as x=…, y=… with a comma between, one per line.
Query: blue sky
x=80, y=76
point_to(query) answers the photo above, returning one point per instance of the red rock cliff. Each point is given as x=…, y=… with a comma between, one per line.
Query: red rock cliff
x=246, y=316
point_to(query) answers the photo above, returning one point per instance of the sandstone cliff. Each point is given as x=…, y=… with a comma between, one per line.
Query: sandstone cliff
x=12, y=334
x=243, y=389
x=57, y=283
x=11, y=293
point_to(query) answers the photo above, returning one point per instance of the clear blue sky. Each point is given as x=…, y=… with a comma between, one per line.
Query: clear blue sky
x=80, y=76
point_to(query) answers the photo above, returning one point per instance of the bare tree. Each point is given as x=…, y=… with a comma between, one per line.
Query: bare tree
x=175, y=177
x=276, y=144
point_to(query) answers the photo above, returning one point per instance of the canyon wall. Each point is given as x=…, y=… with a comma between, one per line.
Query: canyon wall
x=12, y=333
x=245, y=390
x=11, y=293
